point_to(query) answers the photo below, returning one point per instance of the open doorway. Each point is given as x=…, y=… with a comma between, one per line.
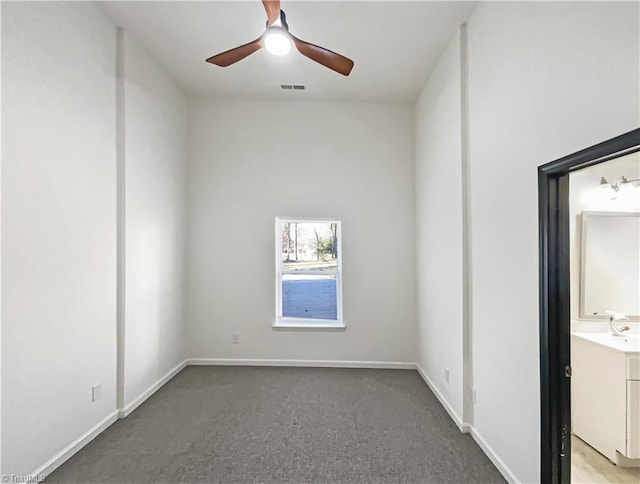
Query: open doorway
x=556, y=304
x=604, y=221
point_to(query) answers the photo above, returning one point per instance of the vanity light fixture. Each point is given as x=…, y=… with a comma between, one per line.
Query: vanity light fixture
x=607, y=189
x=621, y=182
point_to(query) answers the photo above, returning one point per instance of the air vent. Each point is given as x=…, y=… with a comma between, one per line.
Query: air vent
x=293, y=87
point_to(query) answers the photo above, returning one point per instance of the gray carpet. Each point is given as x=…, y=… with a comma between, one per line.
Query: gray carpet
x=248, y=424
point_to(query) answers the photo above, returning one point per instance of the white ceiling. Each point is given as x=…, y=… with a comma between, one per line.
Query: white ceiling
x=394, y=44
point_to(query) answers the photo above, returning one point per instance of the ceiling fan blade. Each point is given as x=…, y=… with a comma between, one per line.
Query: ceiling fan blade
x=273, y=10
x=234, y=55
x=327, y=58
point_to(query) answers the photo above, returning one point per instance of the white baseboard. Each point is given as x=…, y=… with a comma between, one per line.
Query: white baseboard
x=123, y=412
x=623, y=461
x=467, y=428
x=493, y=457
x=302, y=363
x=464, y=428
x=71, y=449
x=66, y=453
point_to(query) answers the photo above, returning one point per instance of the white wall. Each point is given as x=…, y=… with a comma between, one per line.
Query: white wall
x=585, y=195
x=439, y=251
x=545, y=80
x=59, y=230
x=253, y=161
x=155, y=176
x=59, y=223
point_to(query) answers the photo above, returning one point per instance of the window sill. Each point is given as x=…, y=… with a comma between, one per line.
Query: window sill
x=293, y=324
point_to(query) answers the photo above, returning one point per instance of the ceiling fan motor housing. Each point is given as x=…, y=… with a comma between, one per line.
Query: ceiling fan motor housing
x=278, y=41
x=283, y=21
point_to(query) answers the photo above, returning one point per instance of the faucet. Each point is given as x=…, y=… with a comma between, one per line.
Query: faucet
x=615, y=317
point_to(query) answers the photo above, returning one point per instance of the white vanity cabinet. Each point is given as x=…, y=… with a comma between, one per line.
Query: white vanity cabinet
x=633, y=406
x=605, y=394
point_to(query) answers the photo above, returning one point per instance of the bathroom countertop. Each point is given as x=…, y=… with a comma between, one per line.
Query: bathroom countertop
x=629, y=343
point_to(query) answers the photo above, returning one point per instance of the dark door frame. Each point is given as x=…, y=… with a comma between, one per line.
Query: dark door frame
x=555, y=351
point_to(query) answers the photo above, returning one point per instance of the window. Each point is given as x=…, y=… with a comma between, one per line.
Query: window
x=308, y=274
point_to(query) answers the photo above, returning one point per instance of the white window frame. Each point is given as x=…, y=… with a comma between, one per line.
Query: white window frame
x=282, y=322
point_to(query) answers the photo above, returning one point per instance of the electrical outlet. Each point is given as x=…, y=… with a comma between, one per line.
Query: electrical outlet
x=235, y=338
x=446, y=375
x=96, y=392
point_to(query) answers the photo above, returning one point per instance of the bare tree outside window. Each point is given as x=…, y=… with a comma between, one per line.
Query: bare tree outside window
x=309, y=269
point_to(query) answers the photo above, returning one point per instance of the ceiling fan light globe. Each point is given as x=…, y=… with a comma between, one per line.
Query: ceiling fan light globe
x=277, y=42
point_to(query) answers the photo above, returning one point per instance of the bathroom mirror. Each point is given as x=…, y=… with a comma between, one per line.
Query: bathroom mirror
x=610, y=264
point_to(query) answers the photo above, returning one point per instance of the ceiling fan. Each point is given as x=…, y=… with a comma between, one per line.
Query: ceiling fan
x=277, y=40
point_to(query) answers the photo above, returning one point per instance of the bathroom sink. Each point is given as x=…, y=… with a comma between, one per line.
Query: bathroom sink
x=605, y=394
x=629, y=343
